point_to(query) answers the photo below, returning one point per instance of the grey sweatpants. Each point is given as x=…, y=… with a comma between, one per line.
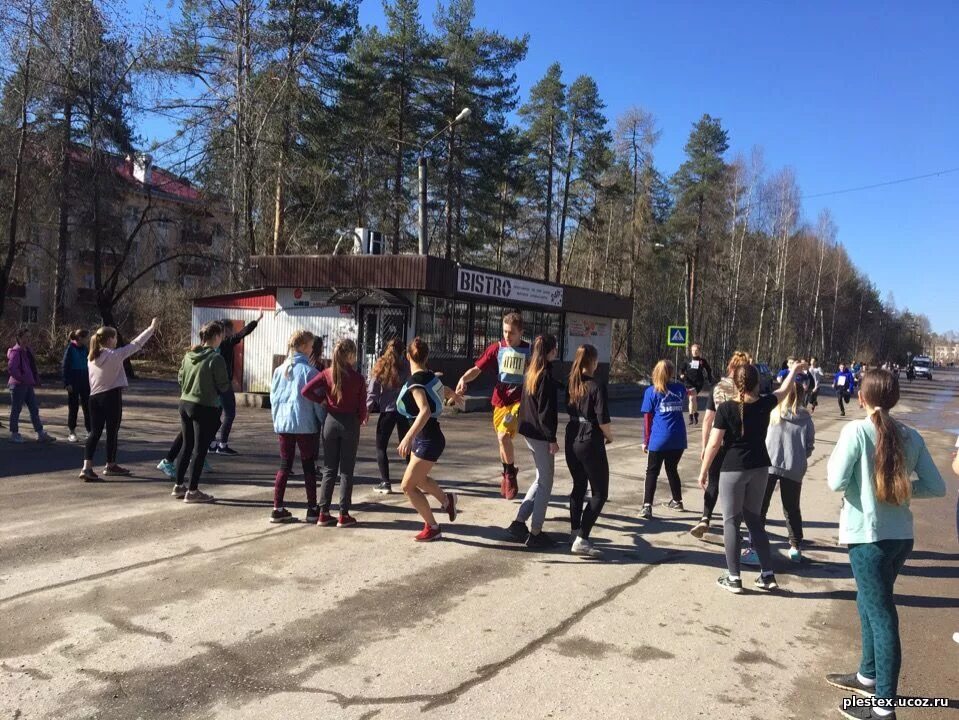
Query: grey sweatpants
x=537, y=497
x=341, y=435
x=741, y=495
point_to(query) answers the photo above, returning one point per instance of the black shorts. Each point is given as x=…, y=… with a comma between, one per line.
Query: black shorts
x=695, y=388
x=430, y=446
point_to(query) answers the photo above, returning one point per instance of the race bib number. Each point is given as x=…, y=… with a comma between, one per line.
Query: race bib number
x=841, y=382
x=512, y=365
x=694, y=364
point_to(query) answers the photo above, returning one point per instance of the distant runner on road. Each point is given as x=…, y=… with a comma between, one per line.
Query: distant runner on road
x=695, y=374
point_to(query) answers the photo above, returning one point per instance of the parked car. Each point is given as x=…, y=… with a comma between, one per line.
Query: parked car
x=765, y=378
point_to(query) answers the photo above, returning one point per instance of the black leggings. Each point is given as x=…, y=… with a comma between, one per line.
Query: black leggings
x=654, y=465
x=790, y=490
x=588, y=464
x=198, y=424
x=843, y=397
x=385, y=424
x=711, y=494
x=78, y=398
x=106, y=410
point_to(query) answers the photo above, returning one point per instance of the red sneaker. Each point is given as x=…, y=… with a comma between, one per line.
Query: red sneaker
x=451, y=506
x=346, y=520
x=512, y=487
x=326, y=519
x=428, y=534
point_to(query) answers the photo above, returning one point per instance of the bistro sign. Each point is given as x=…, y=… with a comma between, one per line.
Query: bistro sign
x=488, y=285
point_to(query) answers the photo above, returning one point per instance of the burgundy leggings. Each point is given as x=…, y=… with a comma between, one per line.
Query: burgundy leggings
x=308, y=447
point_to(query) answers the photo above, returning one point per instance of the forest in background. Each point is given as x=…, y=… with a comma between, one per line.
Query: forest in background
x=305, y=125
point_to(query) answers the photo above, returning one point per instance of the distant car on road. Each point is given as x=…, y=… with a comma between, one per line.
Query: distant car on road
x=765, y=378
x=923, y=366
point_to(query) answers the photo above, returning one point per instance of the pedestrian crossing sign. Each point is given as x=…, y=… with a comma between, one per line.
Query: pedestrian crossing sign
x=677, y=335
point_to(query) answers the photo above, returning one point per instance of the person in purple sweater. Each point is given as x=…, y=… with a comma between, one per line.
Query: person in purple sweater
x=24, y=377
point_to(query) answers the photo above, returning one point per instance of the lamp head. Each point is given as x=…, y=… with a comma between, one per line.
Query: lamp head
x=464, y=115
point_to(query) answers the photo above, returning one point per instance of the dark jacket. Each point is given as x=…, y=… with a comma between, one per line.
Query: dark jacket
x=76, y=377
x=538, y=410
x=229, y=345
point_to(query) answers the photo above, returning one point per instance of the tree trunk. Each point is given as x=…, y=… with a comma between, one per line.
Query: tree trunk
x=762, y=316
x=63, y=218
x=550, y=154
x=286, y=139
x=398, y=171
x=12, y=249
x=563, y=212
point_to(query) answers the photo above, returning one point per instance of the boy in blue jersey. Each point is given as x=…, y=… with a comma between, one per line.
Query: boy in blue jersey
x=844, y=382
x=508, y=358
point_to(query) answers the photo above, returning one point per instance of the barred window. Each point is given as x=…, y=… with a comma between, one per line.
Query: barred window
x=441, y=323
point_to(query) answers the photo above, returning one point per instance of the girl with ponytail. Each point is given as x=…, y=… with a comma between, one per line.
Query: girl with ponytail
x=872, y=465
x=107, y=380
x=538, y=421
x=389, y=373
x=740, y=430
x=296, y=422
x=341, y=389
x=587, y=433
x=722, y=391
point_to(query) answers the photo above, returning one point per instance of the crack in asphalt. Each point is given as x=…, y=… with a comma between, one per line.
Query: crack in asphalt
x=488, y=672
x=192, y=551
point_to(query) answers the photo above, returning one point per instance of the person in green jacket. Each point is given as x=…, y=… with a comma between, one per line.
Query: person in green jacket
x=203, y=376
x=872, y=466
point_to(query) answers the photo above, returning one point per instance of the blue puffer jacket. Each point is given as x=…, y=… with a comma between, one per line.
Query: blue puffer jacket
x=293, y=413
x=74, y=366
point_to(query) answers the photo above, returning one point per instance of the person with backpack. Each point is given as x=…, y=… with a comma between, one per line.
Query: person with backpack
x=296, y=422
x=588, y=432
x=421, y=402
x=872, y=465
x=342, y=390
x=108, y=377
x=76, y=380
x=740, y=428
x=664, y=435
x=23, y=379
x=538, y=421
x=389, y=374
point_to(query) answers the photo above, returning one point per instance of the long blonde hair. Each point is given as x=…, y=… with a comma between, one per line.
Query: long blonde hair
x=340, y=367
x=791, y=403
x=586, y=355
x=98, y=341
x=543, y=345
x=880, y=390
x=387, y=367
x=662, y=374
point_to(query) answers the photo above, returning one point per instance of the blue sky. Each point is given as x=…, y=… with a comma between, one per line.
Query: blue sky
x=847, y=94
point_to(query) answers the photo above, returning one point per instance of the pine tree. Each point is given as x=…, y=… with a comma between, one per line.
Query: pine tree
x=545, y=118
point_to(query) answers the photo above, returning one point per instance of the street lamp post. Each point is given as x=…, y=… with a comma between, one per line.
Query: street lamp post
x=423, y=176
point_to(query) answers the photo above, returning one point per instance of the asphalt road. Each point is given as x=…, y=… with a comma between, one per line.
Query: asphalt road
x=118, y=602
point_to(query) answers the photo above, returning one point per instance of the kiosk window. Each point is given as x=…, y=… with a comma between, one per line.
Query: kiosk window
x=442, y=324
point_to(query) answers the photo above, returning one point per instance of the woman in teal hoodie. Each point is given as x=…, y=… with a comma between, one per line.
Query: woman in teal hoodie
x=203, y=376
x=872, y=465
x=297, y=422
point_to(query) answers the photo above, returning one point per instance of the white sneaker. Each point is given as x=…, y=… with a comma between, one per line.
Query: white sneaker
x=16, y=438
x=582, y=546
x=72, y=437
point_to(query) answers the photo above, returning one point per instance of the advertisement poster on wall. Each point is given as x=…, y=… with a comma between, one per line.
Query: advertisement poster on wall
x=499, y=287
x=588, y=329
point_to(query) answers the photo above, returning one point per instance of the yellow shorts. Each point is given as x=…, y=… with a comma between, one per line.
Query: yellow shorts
x=506, y=419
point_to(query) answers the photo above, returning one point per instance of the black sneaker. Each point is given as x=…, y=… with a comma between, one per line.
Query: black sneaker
x=727, y=583
x=312, y=515
x=864, y=713
x=226, y=450
x=540, y=541
x=696, y=415
x=766, y=582
x=384, y=488
x=675, y=505
x=517, y=531
x=850, y=681
x=647, y=512
x=691, y=421
x=282, y=516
